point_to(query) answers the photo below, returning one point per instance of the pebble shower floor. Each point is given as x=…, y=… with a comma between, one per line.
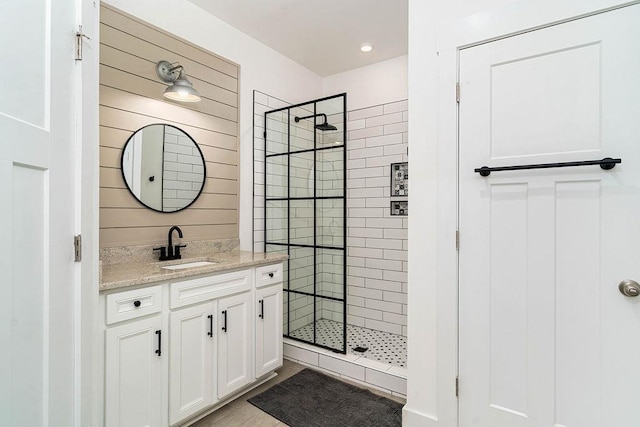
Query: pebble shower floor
x=383, y=346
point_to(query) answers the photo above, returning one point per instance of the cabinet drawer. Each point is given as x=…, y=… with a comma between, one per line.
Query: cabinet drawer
x=268, y=275
x=206, y=288
x=135, y=303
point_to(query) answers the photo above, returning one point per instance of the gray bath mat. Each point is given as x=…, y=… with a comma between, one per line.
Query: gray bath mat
x=312, y=399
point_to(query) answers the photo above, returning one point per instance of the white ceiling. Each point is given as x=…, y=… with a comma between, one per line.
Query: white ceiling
x=323, y=36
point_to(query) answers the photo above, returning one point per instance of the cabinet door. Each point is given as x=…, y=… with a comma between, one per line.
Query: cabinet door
x=268, y=318
x=191, y=360
x=235, y=336
x=133, y=389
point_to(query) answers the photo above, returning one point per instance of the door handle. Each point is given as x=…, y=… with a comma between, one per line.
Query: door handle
x=629, y=288
x=210, y=333
x=224, y=325
x=159, y=350
x=261, y=315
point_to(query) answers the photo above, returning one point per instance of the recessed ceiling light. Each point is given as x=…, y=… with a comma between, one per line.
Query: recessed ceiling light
x=366, y=47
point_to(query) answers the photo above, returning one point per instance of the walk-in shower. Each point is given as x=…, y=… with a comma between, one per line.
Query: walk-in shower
x=305, y=216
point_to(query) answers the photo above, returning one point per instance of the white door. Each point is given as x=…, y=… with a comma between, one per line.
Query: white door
x=268, y=329
x=235, y=336
x=133, y=373
x=546, y=338
x=191, y=364
x=37, y=284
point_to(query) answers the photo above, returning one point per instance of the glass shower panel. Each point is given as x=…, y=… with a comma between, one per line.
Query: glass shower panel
x=301, y=175
x=301, y=318
x=301, y=226
x=301, y=270
x=334, y=109
x=302, y=131
x=277, y=133
x=277, y=222
x=330, y=324
x=330, y=222
x=305, y=216
x=277, y=175
x=330, y=273
x=330, y=172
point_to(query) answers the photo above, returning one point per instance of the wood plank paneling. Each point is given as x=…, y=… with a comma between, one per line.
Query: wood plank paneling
x=114, y=78
x=143, y=217
x=145, y=31
x=152, y=235
x=117, y=139
x=111, y=178
x=125, y=101
x=121, y=198
x=131, y=98
x=147, y=81
x=142, y=49
x=112, y=149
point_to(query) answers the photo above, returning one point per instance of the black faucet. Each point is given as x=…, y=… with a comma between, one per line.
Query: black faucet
x=171, y=251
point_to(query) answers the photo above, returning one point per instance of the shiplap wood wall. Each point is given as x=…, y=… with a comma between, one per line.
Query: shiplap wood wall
x=131, y=98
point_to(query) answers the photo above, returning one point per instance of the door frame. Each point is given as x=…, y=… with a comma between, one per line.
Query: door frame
x=434, y=305
x=87, y=402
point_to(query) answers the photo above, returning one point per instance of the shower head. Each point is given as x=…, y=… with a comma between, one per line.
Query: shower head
x=324, y=126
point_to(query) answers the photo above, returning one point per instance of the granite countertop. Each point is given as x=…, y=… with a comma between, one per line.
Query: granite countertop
x=117, y=276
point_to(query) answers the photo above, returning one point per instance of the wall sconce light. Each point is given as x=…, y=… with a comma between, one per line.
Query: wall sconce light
x=180, y=89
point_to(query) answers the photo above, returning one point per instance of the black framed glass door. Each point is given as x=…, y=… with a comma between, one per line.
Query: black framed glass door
x=305, y=216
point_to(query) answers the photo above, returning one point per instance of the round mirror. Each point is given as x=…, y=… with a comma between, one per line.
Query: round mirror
x=163, y=167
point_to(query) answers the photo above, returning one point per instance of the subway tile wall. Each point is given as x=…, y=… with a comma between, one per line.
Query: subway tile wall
x=376, y=241
x=183, y=169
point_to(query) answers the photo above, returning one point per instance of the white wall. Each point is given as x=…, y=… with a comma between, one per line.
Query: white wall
x=375, y=84
x=261, y=68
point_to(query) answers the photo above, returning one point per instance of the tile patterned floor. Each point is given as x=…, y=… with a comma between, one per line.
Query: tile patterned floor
x=382, y=346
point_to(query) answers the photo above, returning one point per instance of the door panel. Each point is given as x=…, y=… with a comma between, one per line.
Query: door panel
x=133, y=379
x=544, y=331
x=234, y=343
x=191, y=373
x=37, y=272
x=268, y=317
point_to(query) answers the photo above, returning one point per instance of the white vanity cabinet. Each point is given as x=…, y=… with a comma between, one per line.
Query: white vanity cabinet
x=268, y=319
x=235, y=349
x=181, y=348
x=192, y=360
x=133, y=359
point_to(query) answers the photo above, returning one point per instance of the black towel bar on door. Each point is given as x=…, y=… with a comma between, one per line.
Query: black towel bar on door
x=606, y=164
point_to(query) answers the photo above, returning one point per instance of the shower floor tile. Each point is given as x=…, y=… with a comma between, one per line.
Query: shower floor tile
x=382, y=346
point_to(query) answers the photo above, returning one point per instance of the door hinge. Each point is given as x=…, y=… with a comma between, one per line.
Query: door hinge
x=458, y=93
x=79, y=36
x=77, y=245
x=457, y=387
x=457, y=240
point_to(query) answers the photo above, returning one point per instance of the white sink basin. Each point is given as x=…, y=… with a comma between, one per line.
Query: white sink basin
x=189, y=265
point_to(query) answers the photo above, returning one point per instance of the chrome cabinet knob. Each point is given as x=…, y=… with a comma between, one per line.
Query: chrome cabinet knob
x=629, y=288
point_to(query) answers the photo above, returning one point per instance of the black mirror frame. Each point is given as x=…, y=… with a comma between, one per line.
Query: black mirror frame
x=204, y=168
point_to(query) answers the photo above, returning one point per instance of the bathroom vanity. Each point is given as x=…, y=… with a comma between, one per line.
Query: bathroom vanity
x=183, y=338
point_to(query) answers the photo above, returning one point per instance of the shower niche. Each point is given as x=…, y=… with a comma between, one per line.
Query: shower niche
x=305, y=216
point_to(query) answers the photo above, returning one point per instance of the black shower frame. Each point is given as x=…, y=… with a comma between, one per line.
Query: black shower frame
x=315, y=198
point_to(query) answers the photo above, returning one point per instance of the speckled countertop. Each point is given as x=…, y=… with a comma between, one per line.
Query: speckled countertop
x=117, y=276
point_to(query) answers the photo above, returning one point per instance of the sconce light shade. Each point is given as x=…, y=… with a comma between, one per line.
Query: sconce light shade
x=180, y=89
